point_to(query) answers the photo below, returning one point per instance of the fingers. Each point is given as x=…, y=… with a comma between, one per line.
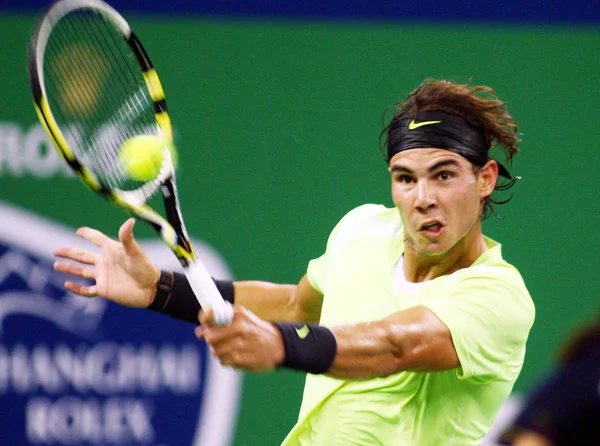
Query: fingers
x=80, y=290
x=223, y=344
x=230, y=354
x=78, y=271
x=127, y=239
x=206, y=317
x=93, y=236
x=76, y=254
x=199, y=331
x=212, y=334
x=245, y=344
x=74, y=270
x=240, y=314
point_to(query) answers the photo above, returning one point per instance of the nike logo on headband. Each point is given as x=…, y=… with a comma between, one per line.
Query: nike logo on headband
x=415, y=125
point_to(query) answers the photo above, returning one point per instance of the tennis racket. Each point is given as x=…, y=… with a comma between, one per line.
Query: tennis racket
x=93, y=88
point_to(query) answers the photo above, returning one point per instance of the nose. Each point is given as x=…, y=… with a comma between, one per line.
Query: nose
x=425, y=197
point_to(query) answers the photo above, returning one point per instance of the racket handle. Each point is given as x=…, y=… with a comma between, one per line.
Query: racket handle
x=207, y=293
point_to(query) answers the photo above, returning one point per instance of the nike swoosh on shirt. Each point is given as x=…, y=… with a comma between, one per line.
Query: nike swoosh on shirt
x=302, y=332
x=415, y=125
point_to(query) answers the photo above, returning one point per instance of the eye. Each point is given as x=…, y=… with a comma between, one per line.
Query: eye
x=404, y=179
x=445, y=175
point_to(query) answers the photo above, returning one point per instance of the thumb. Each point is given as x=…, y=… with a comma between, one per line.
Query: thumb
x=127, y=239
x=206, y=317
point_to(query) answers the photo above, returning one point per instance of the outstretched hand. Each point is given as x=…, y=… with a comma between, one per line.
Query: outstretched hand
x=248, y=343
x=122, y=271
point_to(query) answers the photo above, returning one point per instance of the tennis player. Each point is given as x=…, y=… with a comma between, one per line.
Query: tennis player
x=411, y=326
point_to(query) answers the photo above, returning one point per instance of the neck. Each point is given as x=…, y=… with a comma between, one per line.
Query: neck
x=419, y=266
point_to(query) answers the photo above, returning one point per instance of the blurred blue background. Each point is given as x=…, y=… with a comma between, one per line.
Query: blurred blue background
x=527, y=11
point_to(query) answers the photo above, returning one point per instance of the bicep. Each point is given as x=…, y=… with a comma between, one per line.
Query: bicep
x=307, y=302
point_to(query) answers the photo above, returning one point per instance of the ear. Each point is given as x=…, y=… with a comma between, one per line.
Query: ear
x=488, y=175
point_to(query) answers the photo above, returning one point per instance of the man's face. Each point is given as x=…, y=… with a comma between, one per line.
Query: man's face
x=439, y=197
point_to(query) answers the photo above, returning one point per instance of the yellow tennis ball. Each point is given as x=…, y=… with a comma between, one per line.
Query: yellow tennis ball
x=142, y=156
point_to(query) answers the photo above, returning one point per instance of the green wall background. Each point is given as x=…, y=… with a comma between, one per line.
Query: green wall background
x=277, y=125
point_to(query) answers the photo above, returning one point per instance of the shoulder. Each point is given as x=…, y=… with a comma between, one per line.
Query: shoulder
x=493, y=274
x=374, y=216
x=492, y=270
x=369, y=221
x=498, y=286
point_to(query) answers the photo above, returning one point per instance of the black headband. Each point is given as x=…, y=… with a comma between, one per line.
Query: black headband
x=440, y=130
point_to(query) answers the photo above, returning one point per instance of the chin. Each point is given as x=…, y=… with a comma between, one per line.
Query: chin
x=434, y=248
x=428, y=247
x=434, y=251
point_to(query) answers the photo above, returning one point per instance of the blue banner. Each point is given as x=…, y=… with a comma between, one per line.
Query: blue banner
x=575, y=11
x=86, y=371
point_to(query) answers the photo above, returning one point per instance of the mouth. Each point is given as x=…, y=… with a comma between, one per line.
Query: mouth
x=432, y=230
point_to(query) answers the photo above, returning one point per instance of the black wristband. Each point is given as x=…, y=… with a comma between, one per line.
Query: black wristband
x=308, y=347
x=226, y=289
x=174, y=296
x=164, y=288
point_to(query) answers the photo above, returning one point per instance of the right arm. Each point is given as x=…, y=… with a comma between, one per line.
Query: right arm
x=285, y=303
x=124, y=274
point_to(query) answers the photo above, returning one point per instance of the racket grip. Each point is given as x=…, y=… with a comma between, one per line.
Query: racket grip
x=208, y=295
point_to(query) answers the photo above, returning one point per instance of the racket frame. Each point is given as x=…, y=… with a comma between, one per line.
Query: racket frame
x=172, y=229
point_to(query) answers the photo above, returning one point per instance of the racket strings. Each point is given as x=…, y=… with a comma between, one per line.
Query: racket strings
x=92, y=72
x=80, y=77
x=85, y=83
x=131, y=76
x=68, y=90
x=122, y=90
x=133, y=107
x=79, y=73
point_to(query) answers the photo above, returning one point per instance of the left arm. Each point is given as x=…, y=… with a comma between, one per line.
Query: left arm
x=413, y=339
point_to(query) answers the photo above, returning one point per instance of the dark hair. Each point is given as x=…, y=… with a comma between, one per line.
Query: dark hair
x=478, y=105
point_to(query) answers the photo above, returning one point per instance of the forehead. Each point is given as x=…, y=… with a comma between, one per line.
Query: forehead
x=414, y=159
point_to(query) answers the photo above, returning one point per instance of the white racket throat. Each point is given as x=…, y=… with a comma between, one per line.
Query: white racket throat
x=207, y=294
